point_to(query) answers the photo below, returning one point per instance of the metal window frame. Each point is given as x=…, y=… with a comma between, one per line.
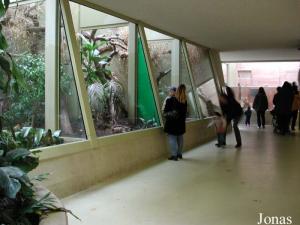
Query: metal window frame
x=217, y=70
x=132, y=71
x=52, y=65
x=78, y=73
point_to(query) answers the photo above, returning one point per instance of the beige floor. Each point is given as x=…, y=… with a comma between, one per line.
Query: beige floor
x=209, y=187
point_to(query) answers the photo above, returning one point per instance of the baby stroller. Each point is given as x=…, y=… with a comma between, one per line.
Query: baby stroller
x=274, y=121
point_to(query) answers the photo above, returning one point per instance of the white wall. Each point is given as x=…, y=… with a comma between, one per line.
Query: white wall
x=261, y=55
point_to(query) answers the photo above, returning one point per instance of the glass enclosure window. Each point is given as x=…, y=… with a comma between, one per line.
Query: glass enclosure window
x=146, y=107
x=208, y=96
x=116, y=106
x=192, y=112
x=160, y=48
x=24, y=30
x=246, y=78
x=203, y=77
x=170, y=67
x=70, y=116
x=200, y=64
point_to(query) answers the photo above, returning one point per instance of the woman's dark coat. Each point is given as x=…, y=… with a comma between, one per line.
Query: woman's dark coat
x=260, y=102
x=231, y=109
x=284, y=100
x=175, y=115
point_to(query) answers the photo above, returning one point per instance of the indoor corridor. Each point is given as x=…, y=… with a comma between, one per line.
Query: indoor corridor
x=211, y=186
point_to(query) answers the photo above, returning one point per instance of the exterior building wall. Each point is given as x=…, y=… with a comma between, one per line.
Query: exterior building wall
x=246, y=78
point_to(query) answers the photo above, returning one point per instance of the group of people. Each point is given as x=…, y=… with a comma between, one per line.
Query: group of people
x=175, y=111
x=286, y=106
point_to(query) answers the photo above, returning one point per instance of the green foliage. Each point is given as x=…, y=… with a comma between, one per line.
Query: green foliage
x=18, y=201
x=30, y=138
x=27, y=106
x=106, y=94
x=94, y=62
x=10, y=78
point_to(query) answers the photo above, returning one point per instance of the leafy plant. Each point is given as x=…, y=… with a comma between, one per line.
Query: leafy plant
x=106, y=94
x=19, y=203
x=26, y=107
x=31, y=138
x=10, y=78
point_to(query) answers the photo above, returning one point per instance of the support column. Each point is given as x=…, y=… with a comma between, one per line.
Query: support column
x=132, y=99
x=175, y=63
x=217, y=69
x=51, y=66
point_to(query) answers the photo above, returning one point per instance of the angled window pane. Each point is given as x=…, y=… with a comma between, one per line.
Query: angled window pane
x=200, y=64
x=208, y=96
x=203, y=78
x=146, y=107
x=160, y=48
x=70, y=116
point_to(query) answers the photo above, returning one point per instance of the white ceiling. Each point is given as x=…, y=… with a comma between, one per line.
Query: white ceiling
x=222, y=24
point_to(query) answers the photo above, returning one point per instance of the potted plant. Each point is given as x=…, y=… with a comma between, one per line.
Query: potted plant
x=22, y=200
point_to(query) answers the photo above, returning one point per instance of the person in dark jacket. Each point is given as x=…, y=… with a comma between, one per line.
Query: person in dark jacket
x=175, y=112
x=235, y=114
x=233, y=111
x=284, y=107
x=295, y=105
x=223, y=99
x=275, y=100
x=260, y=105
x=248, y=114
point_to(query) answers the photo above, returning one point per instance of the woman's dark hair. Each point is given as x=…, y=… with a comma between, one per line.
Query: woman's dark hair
x=230, y=93
x=261, y=90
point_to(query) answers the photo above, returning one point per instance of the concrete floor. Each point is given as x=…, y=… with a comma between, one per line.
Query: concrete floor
x=210, y=186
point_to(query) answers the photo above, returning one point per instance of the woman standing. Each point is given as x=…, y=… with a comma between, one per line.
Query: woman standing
x=175, y=114
x=260, y=105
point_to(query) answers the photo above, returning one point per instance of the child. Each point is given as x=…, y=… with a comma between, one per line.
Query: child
x=248, y=113
x=220, y=125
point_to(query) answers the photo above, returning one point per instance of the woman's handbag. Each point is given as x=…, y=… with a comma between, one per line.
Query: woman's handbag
x=173, y=115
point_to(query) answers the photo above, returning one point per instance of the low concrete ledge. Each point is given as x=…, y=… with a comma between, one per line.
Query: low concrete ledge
x=88, y=164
